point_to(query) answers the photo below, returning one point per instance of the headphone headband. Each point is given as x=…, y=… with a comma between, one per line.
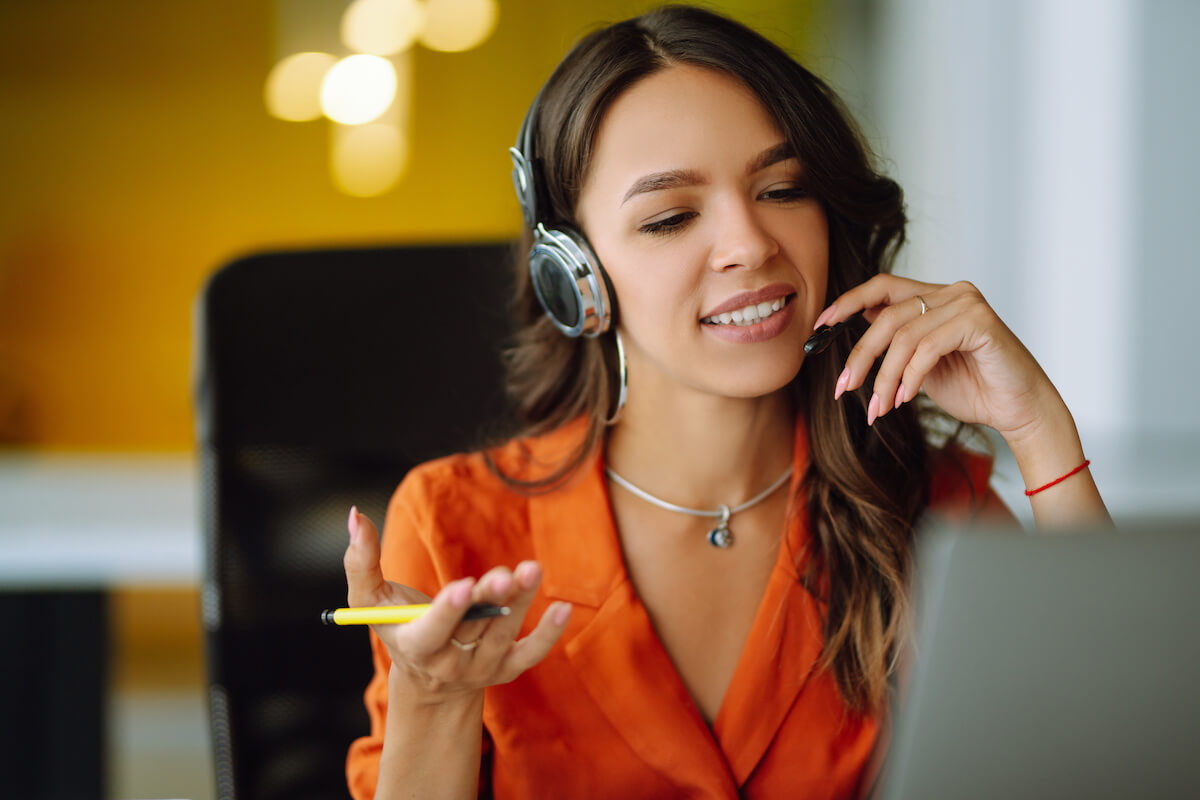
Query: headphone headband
x=526, y=167
x=567, y=277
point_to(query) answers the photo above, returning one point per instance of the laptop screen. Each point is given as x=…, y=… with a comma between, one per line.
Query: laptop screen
x=1063, y=665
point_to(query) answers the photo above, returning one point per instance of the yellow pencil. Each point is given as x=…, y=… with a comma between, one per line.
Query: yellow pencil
x=388, y=615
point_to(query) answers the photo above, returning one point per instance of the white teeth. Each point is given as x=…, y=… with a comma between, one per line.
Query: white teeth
x=750, y=315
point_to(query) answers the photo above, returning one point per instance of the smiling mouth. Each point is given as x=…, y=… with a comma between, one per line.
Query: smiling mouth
x=749, y=315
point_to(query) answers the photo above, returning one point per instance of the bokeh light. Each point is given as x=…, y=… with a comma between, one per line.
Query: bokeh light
x=382, y=27
x=455, y=25
x=293, y=88
x=367, y=160
x=358, y=89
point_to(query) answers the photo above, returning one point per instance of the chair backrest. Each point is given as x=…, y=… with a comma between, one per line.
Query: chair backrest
x=321, y=378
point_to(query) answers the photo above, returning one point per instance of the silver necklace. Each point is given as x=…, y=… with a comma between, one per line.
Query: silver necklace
x=719, y=536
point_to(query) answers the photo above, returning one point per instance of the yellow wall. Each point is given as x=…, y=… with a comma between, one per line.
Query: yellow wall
x=137, y=157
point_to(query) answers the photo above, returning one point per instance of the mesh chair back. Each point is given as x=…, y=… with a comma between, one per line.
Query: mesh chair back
x=321, y=379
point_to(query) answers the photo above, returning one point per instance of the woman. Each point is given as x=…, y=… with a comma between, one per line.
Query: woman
x=653, y=652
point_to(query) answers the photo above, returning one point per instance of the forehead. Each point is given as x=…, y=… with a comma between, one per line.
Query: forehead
x=682, y=117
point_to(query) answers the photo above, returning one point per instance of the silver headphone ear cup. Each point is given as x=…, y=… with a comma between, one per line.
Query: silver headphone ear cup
x=569, y=282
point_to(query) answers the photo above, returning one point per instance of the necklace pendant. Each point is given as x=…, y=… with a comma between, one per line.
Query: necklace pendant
x=721, y=536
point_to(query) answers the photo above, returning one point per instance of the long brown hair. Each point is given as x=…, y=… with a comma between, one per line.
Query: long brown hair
x=864, y=486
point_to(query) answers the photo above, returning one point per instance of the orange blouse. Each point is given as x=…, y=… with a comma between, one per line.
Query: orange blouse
x=605, y=714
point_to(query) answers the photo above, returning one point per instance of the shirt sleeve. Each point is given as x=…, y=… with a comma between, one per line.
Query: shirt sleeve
x=405, y=558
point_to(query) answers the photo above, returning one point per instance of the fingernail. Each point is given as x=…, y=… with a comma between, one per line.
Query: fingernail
x=826, y=314
x=501, y=584
x=872, y=409
x=842, y=380
x=527, y=574
x=460, y=596
x=352, y=524
x=560, y=614
x=900, y=395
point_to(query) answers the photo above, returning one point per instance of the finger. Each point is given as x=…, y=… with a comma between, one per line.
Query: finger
x=499, y=632
x=533, y=648
x=874, y=343
x=431, y=632
x=527, y=577
x=495, y=586
x=900, y=350
x=940, y=343
x=880, y=290
x=364, y=578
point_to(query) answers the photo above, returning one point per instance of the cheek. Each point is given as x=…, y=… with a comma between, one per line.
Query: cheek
x=653, y=287
x=809, y=251
x=649, y=298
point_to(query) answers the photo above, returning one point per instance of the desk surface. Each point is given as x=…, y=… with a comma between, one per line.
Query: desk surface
x=88, y=521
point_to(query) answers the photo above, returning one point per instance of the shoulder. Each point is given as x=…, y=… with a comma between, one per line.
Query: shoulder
x=452, y=489
x=491, y=475
x=471, y=506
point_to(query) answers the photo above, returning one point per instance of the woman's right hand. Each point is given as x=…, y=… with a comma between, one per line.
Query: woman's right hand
x=433, y=666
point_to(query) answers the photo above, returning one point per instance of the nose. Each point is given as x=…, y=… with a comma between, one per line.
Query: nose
x=741, y=240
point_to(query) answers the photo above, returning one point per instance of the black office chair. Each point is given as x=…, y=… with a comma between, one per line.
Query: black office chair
x=321, y=379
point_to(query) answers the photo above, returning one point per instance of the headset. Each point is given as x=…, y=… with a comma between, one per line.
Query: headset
x=567, y=277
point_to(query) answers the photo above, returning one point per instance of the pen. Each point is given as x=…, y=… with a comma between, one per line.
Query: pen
x=388, y=615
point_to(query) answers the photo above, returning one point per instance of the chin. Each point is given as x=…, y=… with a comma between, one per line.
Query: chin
x=757, y=382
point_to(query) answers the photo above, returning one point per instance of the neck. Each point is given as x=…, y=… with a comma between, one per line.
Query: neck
x=701, y=450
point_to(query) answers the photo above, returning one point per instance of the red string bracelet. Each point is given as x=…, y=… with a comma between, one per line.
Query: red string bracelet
x=1083, y=466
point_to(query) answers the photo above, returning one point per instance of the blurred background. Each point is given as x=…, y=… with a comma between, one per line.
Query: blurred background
x=1046, y=148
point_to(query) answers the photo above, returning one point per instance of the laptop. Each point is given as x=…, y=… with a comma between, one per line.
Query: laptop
x=1061, y=665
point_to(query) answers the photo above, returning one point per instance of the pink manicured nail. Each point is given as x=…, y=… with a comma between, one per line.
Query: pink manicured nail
x=842, y=380
x=460, y=597
x=873, y=409
x=527, y=573
x=899, y=395
x=352, y=524
x=560, y=614
x=501, y=583
x=826, y=314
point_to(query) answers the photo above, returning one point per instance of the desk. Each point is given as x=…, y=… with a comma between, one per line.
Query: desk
x=94, y=521
x=71, y=528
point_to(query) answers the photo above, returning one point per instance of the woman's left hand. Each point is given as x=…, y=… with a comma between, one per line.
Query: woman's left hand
x=949, y=340
x=953, y=344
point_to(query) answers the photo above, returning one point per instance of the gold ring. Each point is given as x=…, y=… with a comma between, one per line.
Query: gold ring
x=924, y=306
x=464, y=645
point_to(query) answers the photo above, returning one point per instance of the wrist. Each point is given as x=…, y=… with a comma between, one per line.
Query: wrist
x=430, y=702
x=430, y=749
x=1048, y=449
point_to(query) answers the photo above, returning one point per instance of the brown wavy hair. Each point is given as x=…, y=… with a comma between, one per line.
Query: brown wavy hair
x=864, y=486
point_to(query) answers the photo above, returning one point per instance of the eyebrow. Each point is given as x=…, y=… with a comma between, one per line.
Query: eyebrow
x=677, y=178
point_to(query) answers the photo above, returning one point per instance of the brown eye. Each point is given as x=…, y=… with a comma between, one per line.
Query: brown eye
x=667, y=226
x=786, y=195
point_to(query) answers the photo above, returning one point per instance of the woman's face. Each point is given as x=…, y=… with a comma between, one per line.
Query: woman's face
x=697, y=209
